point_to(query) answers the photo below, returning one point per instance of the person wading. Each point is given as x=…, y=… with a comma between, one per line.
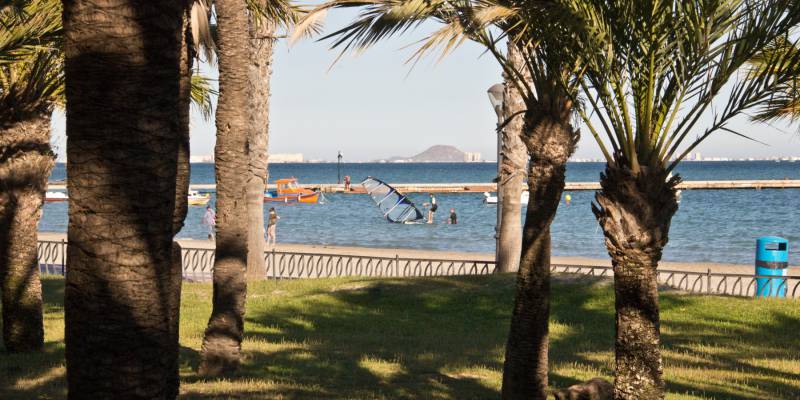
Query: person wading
x=272, y=224
x=210, y=220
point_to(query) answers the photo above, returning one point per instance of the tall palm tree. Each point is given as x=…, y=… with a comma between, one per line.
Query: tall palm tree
x=654, y=70
x=123, y=133
x=264, y=17
x=542, y=72
x=31, y=84
x=242, y=135
x=223, y=336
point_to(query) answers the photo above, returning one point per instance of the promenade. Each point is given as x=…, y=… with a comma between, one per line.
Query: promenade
x=698, y=267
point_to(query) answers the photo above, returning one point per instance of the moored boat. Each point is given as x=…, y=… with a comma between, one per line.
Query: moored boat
x=55, y=196
x=289, y=192
x=197, y=199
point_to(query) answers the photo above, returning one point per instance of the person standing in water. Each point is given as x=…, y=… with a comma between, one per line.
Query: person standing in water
x=432, y=209
x=568, y=199
x=272, y=224
x=453, y=219
x=210, y=220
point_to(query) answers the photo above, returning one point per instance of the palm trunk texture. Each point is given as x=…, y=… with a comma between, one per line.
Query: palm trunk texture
x=123, y=129
x=635, y=210
x=24, y=168
x=514, y=158
x=181, y=188
x=223, y=337
x=260, y=68
x=550, y=142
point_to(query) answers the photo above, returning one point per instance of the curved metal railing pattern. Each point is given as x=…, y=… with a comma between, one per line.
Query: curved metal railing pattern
x=705, y=282
x=198, y=264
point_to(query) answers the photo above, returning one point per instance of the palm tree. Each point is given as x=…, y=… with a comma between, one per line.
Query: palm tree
x=31, y=84
x=123, y=134
x=264, y=17
x=242, y=135
x=223, y=336
x=654, y=69
x=542, y=72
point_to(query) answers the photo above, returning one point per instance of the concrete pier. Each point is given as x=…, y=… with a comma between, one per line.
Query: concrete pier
x=490, y=187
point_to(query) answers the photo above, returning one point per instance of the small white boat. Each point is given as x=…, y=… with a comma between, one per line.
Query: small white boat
x=55, y=196
x=197, y=199
x=489, y=199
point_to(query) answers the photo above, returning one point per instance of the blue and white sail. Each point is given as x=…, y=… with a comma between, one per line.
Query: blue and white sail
x=395, y=206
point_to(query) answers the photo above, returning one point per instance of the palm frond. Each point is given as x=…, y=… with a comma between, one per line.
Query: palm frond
x=202, y=93
x=655, y=68
x=27, y=27
x=202, y=31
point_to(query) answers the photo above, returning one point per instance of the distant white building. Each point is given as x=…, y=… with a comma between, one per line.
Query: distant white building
x=203, y=158
x=472, y=157
x=286, y=158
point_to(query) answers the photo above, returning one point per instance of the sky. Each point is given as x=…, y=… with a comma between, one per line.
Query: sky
x=375, y=105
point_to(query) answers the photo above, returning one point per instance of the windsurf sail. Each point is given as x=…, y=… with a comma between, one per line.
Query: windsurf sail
x=395, y=206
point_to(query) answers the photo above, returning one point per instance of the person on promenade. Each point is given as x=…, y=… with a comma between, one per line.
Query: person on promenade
x=453, y=219
x=432, y=209
x=210, y=220
x=272, y=224
x=347, y=183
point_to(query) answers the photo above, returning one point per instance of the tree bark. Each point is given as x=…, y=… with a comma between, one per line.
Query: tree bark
x=550, y=141
x=123, y=129
x=635, y=210
x=223, y=336
x=260, y=68
x=514, y=158
x=25, y=163
x=181, y=190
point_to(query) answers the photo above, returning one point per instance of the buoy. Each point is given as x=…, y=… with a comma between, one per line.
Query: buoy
x=568, y=199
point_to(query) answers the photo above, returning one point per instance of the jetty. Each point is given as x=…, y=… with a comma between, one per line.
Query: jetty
x=355, y=188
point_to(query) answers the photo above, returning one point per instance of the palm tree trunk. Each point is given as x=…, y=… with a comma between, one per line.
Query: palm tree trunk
x=181, y=190
x=634, y=211
x=514, y=158
x=26, y=164
x=122, y=87
x=223, y=336
x=550, y=142
x=260, y=68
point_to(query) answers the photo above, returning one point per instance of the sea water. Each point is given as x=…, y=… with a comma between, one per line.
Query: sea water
x=710, y=225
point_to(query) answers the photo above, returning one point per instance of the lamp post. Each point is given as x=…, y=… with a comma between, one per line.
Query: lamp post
x=339, y=168
x=497, y=97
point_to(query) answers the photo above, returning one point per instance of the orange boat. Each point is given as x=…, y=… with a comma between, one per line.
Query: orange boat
x=289, y=192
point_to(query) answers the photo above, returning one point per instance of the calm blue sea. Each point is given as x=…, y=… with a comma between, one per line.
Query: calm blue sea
x=711, y=225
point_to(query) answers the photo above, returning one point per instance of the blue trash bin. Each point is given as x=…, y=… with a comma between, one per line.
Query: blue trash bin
x=772, y=259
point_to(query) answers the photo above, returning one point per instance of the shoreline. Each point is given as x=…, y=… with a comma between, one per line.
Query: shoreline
x=743, y=269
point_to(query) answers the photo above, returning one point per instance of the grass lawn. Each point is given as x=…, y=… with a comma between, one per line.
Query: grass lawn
x=443, y=338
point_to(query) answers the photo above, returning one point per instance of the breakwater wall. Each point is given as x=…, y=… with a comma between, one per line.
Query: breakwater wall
x=491, y=187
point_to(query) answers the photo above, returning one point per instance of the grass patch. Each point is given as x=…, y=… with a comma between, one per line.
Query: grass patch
x=443, y=338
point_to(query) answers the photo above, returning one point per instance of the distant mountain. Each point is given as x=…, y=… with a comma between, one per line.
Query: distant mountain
x=439, y=153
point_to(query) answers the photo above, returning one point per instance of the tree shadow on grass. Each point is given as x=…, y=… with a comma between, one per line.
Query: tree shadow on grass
x=398, y=339
x=735, y=358
x=41, y=374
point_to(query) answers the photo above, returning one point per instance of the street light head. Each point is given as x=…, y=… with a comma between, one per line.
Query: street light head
x=497, y=97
